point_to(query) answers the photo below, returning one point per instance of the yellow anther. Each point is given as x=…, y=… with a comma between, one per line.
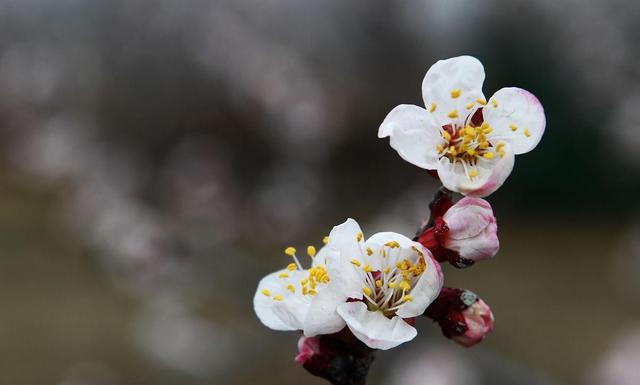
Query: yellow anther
x=513, y=127
x=311, y=251
x=488, y=155
x=483, y=145
x=527, y=133
x=277, y=297
x=470, y=131
x=453, y=151
x=367, y=290
x=453, y=114
x=471, y=151
x=367, y=268
x=292, y=266
x=502, y=153
x=392, y=244
x=495, y=103
x=359, y=236
x=484, y=126
x=378, y=283
x=487, y=130
x=312, y=292
x=386, y=270
x=499, y=146
x=439, y=148
x=473, y=173
x=266, y=292
x=304, y=281
x=470, y=105
x=355, y=262
x=407, y=298
x=325, y=240
x=456, y=93
x=446, y=135
x=482, y=101
x=433, y=107
x=290, y=251
x=392, y=284
x=291, y=288
x=404, y=285
x=369, y=251
x=283, y=275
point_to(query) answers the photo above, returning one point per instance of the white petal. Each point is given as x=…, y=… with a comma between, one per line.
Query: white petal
x=491, y=174
x=373, y=328
x=414, y=135
x=287, y=314
x=517, y=110
x=322, y=317
x=376, y=243
x=426, y=289
x=464, y=74
x=347, y=239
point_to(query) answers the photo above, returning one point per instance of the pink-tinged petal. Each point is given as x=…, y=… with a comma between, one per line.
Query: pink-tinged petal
x=414, y=134
x=453, y=85
x=289, y=312
x=491, y=174
x=468, y=217
x=517, y=117
x=426, y=289
x=373, y=328
x=472, y=229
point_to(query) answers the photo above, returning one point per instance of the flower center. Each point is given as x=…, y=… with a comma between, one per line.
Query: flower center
x=469, y=145
x=388, y=289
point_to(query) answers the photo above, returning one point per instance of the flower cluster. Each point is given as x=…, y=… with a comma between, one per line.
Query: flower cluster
x=360, y=294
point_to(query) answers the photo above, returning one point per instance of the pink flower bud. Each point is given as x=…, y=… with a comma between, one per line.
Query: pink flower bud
x=466, y=233
x=462, y=316
x=479, y=320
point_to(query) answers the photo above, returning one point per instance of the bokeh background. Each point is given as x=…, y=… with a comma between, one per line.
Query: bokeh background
x=157, y=156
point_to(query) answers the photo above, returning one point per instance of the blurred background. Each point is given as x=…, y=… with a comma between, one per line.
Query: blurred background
x=157, y=156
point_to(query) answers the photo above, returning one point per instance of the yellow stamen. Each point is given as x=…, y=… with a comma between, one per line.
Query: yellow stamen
x=452, y=151
x=291, y=288
x=482, y=101
x=407, y=298
x=392, y=284
x=355, y=262
x=292, y=266
x=446, y=135
x=367, y=268
x=369, y=251
x=325, y=240
x=311, y=251
x=470, y=105
x=513, y=127
x=453, y=114
x=470, y=131
x=283, y=275
x=433, y=107
x=277, y=297
x=471, y=151
x=527, y=133
x=266, y=292
x=359, y=236
x=378, y=283
x=404, y=285
x=439, y=148
x=488, y=155
x=366, y=290
x=387, y=270
x=495, y=103
x=290, y=251
x=456, y=93
x=473, y=173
